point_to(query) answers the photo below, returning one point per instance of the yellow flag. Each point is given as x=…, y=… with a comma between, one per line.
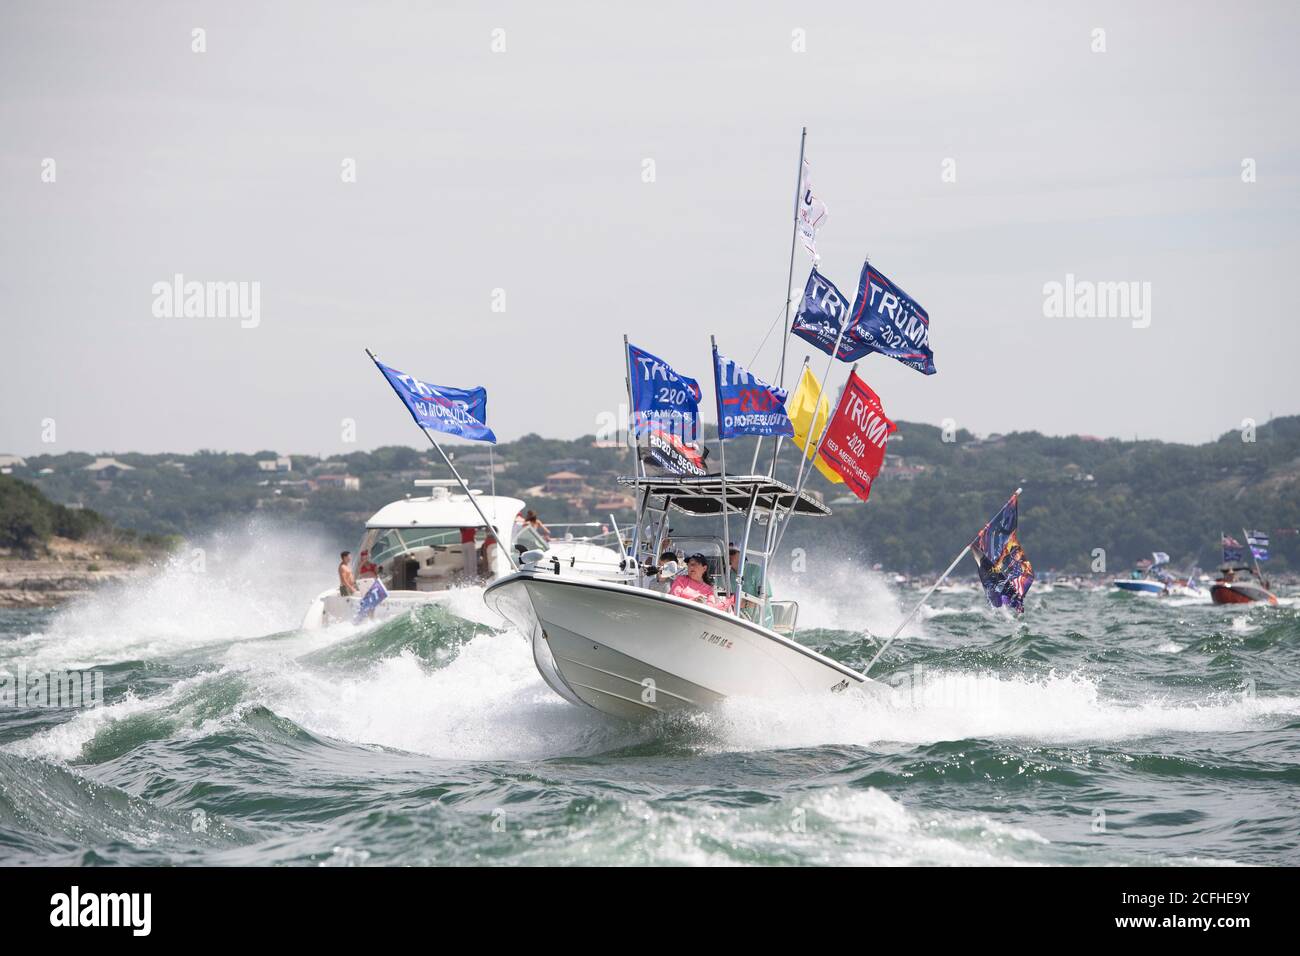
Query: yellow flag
x=800, y=410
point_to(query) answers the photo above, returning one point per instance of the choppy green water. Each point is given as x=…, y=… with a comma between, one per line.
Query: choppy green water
x=1103, y=729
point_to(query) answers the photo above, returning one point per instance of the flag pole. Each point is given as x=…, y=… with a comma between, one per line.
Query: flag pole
x=722, y=453
x=1259, y=574
x=803, y=459
x=639, y=468
x=492, y=529
x=794, y=241
x=934, y=587
x=845, y=322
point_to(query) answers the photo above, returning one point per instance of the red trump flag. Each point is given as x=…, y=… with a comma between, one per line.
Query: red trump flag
x=854, y=446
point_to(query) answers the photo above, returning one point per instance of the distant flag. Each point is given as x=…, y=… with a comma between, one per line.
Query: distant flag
x=1232, y=551
x=746, y=404
x=1258, y=541
x=854, y=444
x=812, y=212
x=806, y=430
x=456, y=411
x=372, y=599
x=662, y=399
x=1004, y=570
x=1159, y=557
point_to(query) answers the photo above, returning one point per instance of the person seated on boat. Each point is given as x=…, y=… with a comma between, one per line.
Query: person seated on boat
x=663, y=575
x=347, y=584
x=696, y=583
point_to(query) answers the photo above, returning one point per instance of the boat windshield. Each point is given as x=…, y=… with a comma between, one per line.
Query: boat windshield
x=529, y=538
x=424, y=559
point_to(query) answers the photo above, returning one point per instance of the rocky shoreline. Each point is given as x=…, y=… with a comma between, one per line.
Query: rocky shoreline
x=67, y=570
x=31, y=584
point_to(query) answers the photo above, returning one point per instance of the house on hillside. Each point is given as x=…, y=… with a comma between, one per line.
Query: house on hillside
x=571, y=464
x=279, y=463
x=898, y=470
x=344, y=482
x=613, y=502
x=106, y=469
x=565, y=484
x=9, y=462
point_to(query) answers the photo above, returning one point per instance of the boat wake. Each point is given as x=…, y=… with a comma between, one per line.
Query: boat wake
x=444, y=684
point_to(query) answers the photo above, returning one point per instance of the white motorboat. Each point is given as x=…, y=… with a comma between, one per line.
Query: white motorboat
x=629, y=650
x=426, y=548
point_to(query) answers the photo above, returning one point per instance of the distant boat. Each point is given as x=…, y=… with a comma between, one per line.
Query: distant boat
x=1238, y=582
x=1148, y=577
x=1240, y=592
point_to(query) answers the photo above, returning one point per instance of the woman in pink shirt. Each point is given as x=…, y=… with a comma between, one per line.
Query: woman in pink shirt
x=696, y=584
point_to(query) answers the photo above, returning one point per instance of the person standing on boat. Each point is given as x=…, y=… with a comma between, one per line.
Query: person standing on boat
x=486, y=555
x=532, y=521
x=347, y=584
x=752, y=584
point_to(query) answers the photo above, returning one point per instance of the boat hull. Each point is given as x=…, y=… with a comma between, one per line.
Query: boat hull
x=1222, y=592
x=1138, y=586
x=332, y=608
x=630, y=652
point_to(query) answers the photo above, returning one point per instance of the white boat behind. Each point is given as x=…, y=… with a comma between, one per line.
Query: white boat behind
x=426, y=549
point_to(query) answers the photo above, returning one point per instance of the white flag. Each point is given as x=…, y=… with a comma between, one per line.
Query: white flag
x=812, y=212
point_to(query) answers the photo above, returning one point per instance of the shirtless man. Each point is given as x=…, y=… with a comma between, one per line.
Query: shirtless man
x=347, y=585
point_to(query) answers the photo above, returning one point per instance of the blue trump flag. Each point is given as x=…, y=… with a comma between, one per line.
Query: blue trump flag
x=819, y=316
x=373, y=598
x=456, y=411
x=883, y=318
x=662, y=399
x=887, y=320
x=746, y=404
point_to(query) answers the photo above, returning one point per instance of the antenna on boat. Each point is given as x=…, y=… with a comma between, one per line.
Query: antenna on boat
x=789, y=280
x=794, y=240
x=491, y=528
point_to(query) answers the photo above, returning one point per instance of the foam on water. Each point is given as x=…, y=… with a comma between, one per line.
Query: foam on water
x=844, y=596
x=489, y=703
x=830, y=827
x=960, y=705
x=243, y=582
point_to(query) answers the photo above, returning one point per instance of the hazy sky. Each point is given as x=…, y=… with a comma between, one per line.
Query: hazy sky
x=523, y=171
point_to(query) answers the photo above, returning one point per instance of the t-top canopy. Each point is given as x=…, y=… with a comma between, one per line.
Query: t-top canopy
x=703, y=495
